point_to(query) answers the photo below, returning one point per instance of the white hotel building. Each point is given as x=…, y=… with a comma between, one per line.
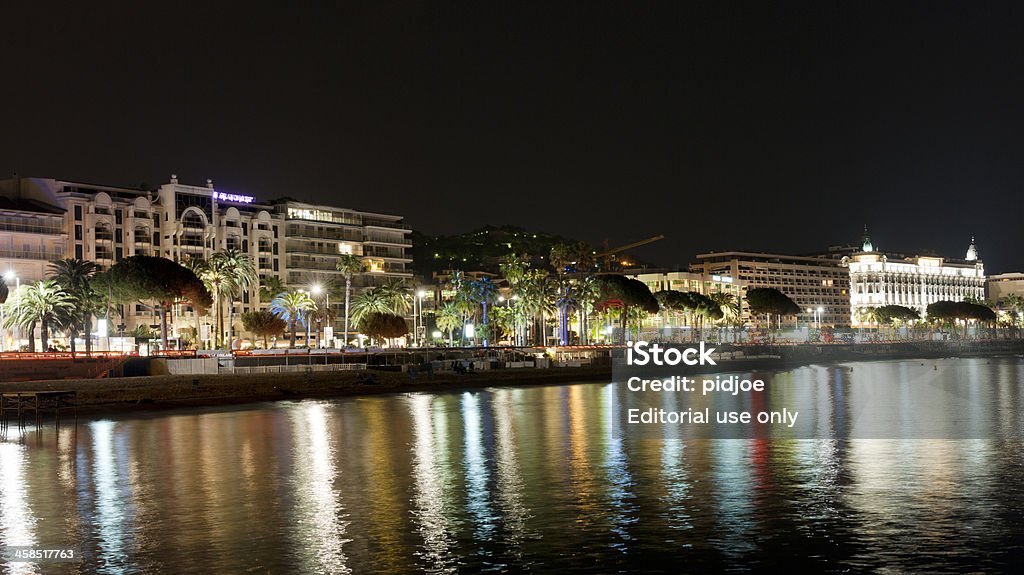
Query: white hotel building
x=43, y=219
x=878, y=279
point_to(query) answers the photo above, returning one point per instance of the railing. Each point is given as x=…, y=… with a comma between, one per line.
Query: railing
x=379, y=240
x=312, y=265
x=32, y=254
x=340, y=236
x=379, y=224
x=30, y=229
x=294, y=368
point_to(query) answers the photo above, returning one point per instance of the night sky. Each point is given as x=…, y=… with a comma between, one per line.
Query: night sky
x=722, y=126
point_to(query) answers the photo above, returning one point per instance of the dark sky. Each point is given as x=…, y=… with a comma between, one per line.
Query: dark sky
x=719, y=125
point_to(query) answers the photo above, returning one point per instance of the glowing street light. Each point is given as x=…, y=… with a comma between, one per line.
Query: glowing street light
x=8, y=276
x=317, y=289
x=418, y=316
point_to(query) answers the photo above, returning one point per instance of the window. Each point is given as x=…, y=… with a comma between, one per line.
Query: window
x=78, y=251
x=118, y=253
x=117, y=235
x=78, y=229
x=117, y=217
x=78, y=213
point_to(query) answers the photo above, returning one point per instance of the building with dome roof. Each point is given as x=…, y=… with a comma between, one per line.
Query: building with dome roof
x=880, y=278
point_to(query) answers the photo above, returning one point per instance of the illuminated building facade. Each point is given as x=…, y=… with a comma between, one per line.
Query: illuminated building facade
x=878, y=279
x=812, y=282
x=1001, y=285
x=43, y=219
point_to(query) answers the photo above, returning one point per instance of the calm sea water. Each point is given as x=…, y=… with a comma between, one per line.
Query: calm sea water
x=503, y=480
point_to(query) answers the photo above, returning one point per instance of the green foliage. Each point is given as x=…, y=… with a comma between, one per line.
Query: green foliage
x=397, y=294
x=888, y=314
x=770, y=301
x=370, y=301
x=270, y=287
x=293, y=307
x=383, y=325
x=350, y=265
x=481, y=249
x=962, y=310
x=626, y=291
x=150, y=278
x=44, y=302
x=263, y=323
x=448, y=319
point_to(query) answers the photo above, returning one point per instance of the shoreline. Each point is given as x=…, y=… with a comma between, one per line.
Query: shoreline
x=152, y=393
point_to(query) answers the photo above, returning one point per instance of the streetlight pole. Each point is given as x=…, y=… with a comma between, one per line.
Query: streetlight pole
x=17, y=330
x=316, y=289
x=415, y=322
x=423, y=324
x=821, y=311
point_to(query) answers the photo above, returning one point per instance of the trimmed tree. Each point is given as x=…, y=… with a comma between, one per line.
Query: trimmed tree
x=628, y=294
x=161, y=281
x=263, y=323
x=383, y=325
x=769, y=302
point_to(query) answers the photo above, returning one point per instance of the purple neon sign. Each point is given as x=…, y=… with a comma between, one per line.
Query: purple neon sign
x=237, y=198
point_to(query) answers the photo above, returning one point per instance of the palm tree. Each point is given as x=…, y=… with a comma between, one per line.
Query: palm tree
x=75, y=277
x=484, y=292
x=42, y=302
x=396, y=292
x=729, y=307
x=293, y=307
x=538, y=296
x=1014, y=304
x=447, y=319
x=370, y=301
x=349, y=265
x=216, y=278
x=270, y=287
x=225, y=275
x=241, y=274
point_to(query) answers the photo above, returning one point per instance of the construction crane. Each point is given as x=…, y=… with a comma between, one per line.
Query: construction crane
x=606, y=258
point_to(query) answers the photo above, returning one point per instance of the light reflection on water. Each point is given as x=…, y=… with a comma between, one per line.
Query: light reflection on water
x=510, y=479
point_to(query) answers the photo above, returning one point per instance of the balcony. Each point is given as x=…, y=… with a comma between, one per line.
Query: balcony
x=46, y=255
x=313, y=251
x=306, y=265
x=381, y=224
x=8, y=226
x=336, y=235
x=389, y=241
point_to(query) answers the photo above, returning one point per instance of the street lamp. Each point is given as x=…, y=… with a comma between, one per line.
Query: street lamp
x=8, y=276
x=317, y=289
x=820, y=311
x=422, y=324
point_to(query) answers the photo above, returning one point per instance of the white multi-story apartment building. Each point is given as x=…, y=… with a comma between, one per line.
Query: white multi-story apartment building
x=878, y=279
x=43, y=219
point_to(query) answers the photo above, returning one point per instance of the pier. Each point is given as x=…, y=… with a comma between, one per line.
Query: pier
x=20, y=405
